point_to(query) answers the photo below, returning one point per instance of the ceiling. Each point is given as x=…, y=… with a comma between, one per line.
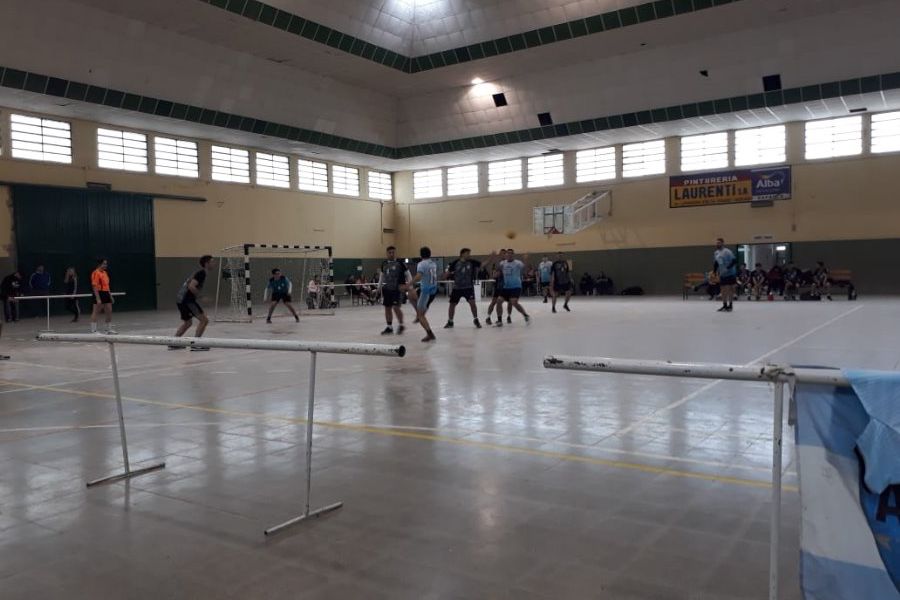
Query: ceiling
x=189, y=51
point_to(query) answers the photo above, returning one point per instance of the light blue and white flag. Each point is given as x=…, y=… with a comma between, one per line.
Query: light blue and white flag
x=848, y=446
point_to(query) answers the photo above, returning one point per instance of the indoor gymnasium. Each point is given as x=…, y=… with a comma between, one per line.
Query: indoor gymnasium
x=449, y=299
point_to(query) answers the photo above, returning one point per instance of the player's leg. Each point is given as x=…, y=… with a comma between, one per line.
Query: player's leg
x=186, y=322
x=509, y=308
x=421, y=304
x=553, y=295
x=500, y=301
x=474, y=307
x=291, y=308
x=451, y=310
x=107, y=308
x=515, y=302
x=272, y=306
x=568, y=297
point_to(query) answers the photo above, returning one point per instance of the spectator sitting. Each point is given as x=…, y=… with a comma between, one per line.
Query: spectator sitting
x=603, y=284
x=312, y=293
x=586, y=286
x=776, y=280
x=712, y=285
x=792, y=280
x=10, y=289
x=758, y=279
x=743, y=281
x=821, y=283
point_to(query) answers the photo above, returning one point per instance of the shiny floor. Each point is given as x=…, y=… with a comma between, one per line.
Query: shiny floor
x=467, y=470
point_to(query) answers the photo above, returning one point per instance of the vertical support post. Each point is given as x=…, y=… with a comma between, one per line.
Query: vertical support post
x=128, y=473
x=310, y=410
x=775, y=525
x=115, y=373
x=48, y=313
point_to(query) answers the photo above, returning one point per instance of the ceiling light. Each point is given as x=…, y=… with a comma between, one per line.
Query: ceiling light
x=477, y=81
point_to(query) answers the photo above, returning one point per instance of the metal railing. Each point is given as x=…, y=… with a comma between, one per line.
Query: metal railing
x=775, y=374
x=314, y=348
x=61, y=296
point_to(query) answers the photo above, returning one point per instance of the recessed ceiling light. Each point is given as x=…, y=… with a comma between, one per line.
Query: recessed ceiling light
x=477, y=81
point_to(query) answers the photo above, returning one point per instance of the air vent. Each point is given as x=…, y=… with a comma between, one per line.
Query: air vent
x=545, y=119
x=771, y=83
x=500, y=100
x=859, y=110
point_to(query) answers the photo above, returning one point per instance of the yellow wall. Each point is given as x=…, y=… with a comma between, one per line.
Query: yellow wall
x=232, y=214
x=833, y=200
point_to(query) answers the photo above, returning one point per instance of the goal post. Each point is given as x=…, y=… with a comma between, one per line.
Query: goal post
x=244, y=271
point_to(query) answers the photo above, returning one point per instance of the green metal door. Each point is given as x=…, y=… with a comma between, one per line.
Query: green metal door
x=62, y=227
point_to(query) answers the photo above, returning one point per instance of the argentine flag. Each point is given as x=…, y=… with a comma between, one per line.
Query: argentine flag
x=848, y=446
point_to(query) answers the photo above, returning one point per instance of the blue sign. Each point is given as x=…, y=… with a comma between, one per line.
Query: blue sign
x=771, y=184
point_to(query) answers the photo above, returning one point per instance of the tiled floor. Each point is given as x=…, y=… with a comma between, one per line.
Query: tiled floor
x=468, y=471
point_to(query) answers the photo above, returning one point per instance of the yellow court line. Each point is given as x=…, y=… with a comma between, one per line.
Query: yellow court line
x=617, y=464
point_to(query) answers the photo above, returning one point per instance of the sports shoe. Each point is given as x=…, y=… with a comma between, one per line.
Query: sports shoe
x=449, y=325
x=554, y=309
x=723, y=309
x=388, y=330
x=175, y=347
x=545, y=301
x=4, y=357
x=488, y=321
x=401, y=329
x=199, y=348
x=477, y=324
x=500, y=323
x=111, y=331
x=416, y=321
x=828, y=296
x=566, y=306
x=729, y=309
x=297, y=318
x=429, y=338
x=508, y=319
x=269, y=321
x=527, y=318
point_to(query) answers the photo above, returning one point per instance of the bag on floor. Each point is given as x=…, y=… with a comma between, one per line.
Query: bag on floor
x=810, y=296
x=633, y=291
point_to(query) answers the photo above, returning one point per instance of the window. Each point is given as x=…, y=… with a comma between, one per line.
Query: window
x=644, y=158
x=380, y=186
x=886, y=132
x=312, y=175
x=428, y=184
x=707, y=151
x=598, y=164
x=545, y=170
x=505, y=175
x=834, y=137
x=230, y=164
x=273, y=170
x=345, y=180
x=462, y=181
x=34, y=138
x=175, y=157
x=759, y=146
x=121, y=150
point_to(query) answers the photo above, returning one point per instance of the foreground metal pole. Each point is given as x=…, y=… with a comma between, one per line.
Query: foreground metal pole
x=48, y=314
x=775, y=526
x=309, y=433
x=128, y=472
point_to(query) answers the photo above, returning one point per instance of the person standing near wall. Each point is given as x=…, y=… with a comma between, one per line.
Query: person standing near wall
x=70, y=281
x=10, y=289
x=38, y=285
x=725, y=266
x=103, y=300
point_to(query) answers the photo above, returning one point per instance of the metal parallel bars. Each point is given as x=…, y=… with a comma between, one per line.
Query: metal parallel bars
x=314, y=348
x=775, y=374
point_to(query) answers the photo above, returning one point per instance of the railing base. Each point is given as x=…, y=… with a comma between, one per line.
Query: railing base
x=126, y=475
x=316, y=513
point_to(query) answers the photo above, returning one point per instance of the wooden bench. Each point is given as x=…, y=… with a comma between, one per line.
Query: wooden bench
x=839, y=278
x=689, y=282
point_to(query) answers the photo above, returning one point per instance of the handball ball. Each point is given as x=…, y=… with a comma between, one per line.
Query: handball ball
x=511, y=235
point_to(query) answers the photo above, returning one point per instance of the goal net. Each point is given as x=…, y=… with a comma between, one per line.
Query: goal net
x=243, y=276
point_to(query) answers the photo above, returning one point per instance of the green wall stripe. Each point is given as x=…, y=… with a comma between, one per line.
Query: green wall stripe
x=82, y=92
x=294, y=24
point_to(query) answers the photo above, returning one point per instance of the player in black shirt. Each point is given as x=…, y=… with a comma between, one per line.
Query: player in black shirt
x=394, y=279
x=463, y=270
x=189, y=306
x=560, y=281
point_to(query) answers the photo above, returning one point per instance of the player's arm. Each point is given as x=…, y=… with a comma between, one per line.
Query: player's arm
x=194, y=287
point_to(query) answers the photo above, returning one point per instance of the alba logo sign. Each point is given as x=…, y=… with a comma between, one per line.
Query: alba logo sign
x=771, y=184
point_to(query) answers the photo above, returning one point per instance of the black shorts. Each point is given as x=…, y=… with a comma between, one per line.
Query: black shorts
x=510, y=293
x=105, y=298
x=457, y=294
x=189, y=310
x=729, y=280
x=498, y=289
x=280, y=297
x=390, y=297
x=562, y=287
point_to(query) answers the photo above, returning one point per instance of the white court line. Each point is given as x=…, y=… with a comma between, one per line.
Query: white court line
x=109, y=426
x=42, y=366
x=712, y=384
x=274, y=371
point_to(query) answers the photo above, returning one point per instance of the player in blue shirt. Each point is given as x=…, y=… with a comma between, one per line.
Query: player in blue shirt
x=512, y=287
x=725, y=266
x=545, y=268
x=426, y=277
